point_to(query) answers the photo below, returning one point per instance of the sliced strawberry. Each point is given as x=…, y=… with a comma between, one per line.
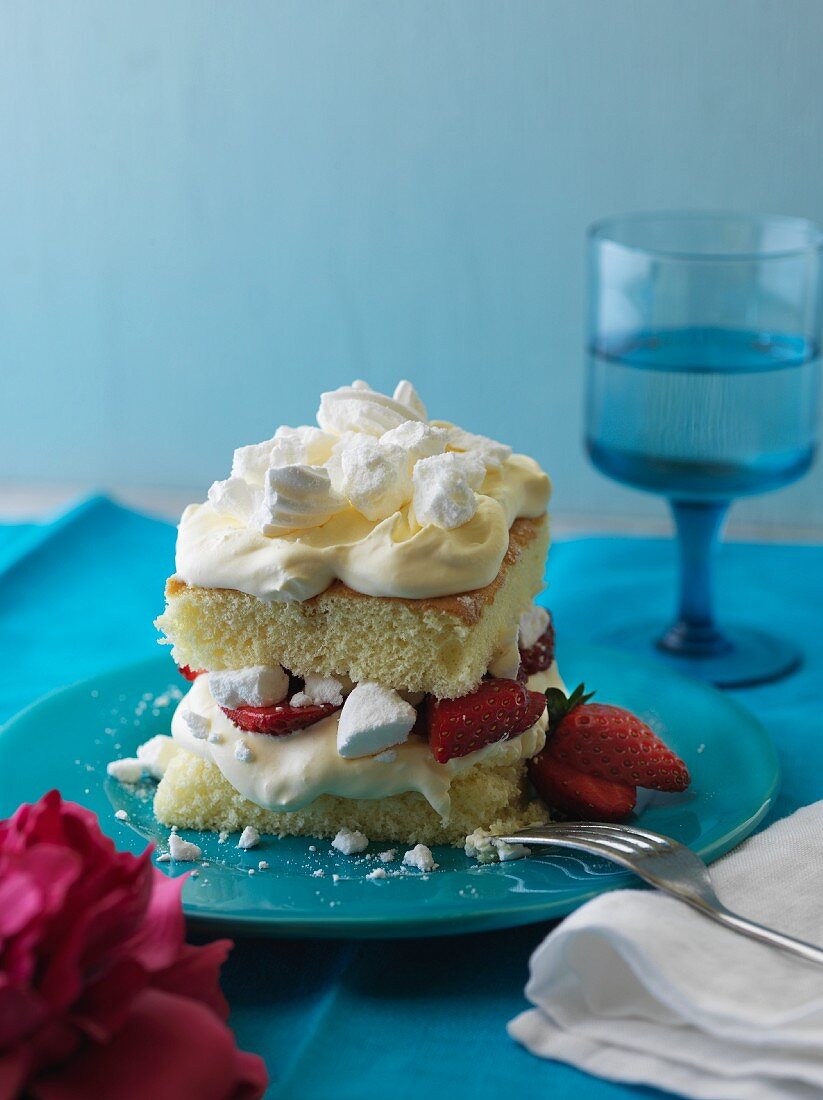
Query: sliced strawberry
x=538, y=657
x=279, y=719
x=608, y=742
x=580, y=796
x=190, y=674
x=497, y=710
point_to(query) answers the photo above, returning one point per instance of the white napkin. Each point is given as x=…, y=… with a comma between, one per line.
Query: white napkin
x=637, y=987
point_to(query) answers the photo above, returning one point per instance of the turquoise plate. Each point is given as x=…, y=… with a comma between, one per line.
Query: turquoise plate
x=66, y=739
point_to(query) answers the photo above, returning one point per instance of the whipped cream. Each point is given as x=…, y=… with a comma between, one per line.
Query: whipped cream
x=378, y=496
x=286, y=773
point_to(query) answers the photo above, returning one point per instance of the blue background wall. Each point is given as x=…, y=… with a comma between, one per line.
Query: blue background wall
x=211, y=211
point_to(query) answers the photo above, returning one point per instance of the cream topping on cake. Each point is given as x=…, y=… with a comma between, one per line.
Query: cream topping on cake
x=286, y=773
x=379, y=497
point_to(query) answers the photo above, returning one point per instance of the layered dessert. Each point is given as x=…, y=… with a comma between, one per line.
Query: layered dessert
x=353, y=608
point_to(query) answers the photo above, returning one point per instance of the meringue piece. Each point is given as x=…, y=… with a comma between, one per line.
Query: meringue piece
x=334, y=465
x=305, y=446
x=443, y=496
x=418, y=440
x=350, y=843
x=198, y=726
x=373, y=718
x=155, y=754
x=234, y=497
x=249, y=838
x=357, y=408
x=127, y=770
x=297, y=497
x=183, y=851
x=250, y=463
x=506, y=661
x=375, y=478
x=323, y=689
x=492, y=453
x=406, y=394
x=420, y=857
x=258, y=686
x=533, y=623
x=506, y=851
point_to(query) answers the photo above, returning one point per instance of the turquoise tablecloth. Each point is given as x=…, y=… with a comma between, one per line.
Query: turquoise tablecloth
x=402, y=1019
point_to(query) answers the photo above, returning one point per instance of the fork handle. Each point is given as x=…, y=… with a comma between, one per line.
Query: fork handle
x=754, y=931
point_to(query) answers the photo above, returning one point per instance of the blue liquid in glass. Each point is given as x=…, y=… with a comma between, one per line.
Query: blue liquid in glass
x=703, y=413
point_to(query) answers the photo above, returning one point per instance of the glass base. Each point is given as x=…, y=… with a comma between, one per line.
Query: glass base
x=752, y=657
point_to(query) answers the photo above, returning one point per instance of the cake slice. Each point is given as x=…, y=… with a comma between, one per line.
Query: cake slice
x=442, y=645
x=354, y=607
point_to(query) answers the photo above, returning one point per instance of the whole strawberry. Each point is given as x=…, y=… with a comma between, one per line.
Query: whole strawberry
x=596, y=755
x=608, y=742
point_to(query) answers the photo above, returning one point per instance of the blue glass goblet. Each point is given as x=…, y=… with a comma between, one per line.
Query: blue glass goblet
x=703, y=370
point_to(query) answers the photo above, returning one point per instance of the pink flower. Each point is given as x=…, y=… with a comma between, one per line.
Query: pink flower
x=100, y=995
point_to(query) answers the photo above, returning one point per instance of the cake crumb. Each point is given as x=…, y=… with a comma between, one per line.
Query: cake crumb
x=222, y=836
x=420, y=857
x=121, y=815
x=183, y=851
x=350, y=842
x=249, y=838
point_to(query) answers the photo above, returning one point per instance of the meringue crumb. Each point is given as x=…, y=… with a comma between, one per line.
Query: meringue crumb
x=485, y=848
x=335, y=878
x=350, y=842
x=164, y=857
x=388, y=856
x=183, y=851
x=121, y=815
x=319, y=873
x=378, y=872
x=249, y=838
x=420, y=857
x=242, y=752
x=312, y=847
x=262, y=865
x=128, y=770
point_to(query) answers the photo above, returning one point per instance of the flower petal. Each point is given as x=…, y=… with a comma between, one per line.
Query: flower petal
x=169, y=1048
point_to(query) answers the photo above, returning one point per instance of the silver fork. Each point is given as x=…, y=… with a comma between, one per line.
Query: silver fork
x=664, y=863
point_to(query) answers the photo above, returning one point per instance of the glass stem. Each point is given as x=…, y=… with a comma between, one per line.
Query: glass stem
x=695, y=634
